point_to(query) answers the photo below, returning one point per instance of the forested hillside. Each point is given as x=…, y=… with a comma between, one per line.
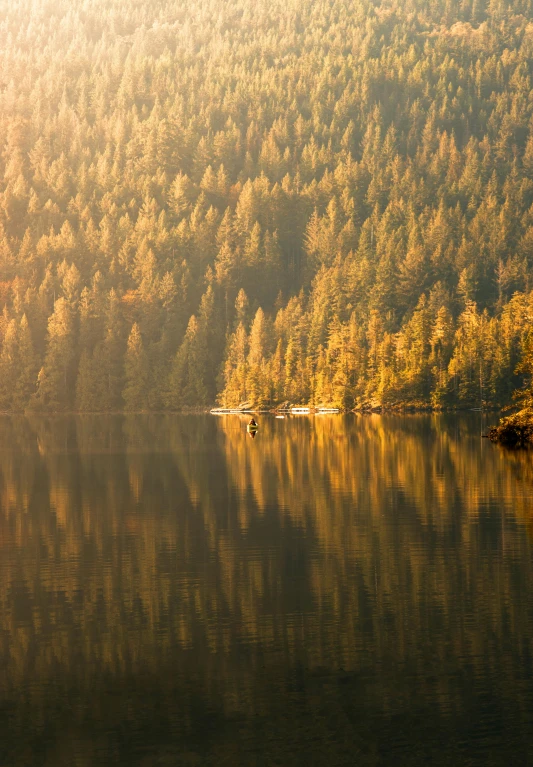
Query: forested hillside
x=322, y=201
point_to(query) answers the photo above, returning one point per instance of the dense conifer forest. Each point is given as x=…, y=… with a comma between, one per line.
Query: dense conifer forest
x=322, y=201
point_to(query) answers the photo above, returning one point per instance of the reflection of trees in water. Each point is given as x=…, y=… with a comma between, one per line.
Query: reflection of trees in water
x=173, y=553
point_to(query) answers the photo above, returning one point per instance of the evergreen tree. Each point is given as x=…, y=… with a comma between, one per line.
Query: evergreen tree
x=56, y=378
x=187, y=378
x=111, y=359
x=258, y=384
x=9, y=365
x=27, y=367
x=135, y=372
x=89, y=382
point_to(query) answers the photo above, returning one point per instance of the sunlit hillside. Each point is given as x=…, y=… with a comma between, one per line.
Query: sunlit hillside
x=324, y=201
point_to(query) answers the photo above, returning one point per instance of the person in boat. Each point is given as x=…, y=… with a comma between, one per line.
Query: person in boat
x=252, y=424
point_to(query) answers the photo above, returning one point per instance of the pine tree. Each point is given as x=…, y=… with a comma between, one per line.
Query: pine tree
x=258, y=384
x=112, y=356
x=136, y=373
x=89, y=383
x=235, y=371
x=9, y=364
x=441, y=348
x=28, y=368
x=56, y=379
x=187, y=378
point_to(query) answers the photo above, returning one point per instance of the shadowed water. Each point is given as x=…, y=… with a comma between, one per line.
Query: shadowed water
x=339, y=590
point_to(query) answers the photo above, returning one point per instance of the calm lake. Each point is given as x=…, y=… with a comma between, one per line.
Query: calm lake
x=338, y=590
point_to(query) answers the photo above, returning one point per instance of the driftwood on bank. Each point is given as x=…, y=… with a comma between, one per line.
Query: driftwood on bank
x=514, y=430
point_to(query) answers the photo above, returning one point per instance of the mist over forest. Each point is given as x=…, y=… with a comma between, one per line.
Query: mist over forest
x=217, y=201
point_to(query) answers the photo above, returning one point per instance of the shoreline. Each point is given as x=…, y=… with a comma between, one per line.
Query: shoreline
x=514, y=431
x=378, y=410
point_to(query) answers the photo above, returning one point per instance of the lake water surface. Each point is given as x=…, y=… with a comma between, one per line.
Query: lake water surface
x=339, y=590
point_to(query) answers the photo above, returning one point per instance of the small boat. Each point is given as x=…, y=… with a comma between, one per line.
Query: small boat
x=251, y=428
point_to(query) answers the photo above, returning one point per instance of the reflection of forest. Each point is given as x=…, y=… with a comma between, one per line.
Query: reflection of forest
x=338, y=569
